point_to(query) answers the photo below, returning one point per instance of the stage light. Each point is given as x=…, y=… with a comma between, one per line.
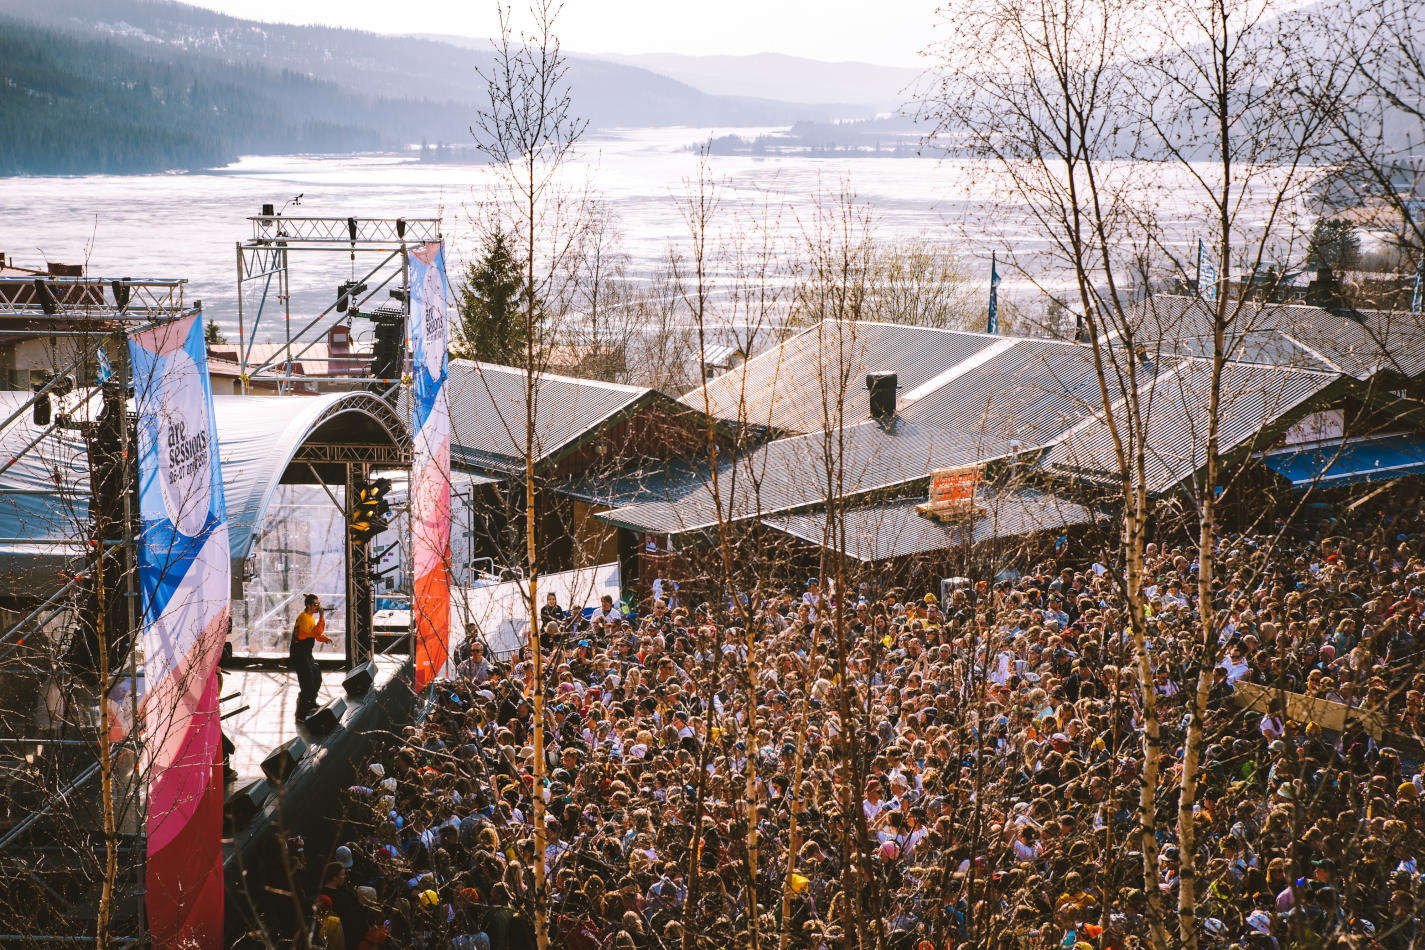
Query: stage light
x=46, y=298
x=370, y=511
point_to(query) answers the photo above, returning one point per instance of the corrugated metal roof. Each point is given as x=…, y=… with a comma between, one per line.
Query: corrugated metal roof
x=488, y=419
x=1360, y=343
x=894, y=529
x=1031, y=391
x=797, y=385
x=1252, y=397
x=790, y=473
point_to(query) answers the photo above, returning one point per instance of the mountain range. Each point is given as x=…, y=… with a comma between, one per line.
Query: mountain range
x=792, y=78
x=123, y=86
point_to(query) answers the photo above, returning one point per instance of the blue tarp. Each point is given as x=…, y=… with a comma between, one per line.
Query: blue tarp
x=1356, y=461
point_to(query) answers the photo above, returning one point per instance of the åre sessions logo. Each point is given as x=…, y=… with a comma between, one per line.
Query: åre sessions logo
x=433, y=319
x=184, y=461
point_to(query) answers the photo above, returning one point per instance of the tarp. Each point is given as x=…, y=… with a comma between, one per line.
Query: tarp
x=430, y=462
x=1356, y=461
x=183, y=569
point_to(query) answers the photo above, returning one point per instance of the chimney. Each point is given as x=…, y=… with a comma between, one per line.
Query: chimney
x=882, y=389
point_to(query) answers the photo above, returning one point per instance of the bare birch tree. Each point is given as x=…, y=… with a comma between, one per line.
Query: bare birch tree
x=529, y=129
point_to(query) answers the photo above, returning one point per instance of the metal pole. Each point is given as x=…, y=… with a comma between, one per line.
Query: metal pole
x=139, y=788
x=332, y=306
x=242, y=336
x=284, y=288
x=409, y=554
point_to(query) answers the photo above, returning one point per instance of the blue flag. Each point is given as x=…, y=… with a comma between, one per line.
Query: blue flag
x=1206, y=274
x=992, y=324
x=1415, y=296
x=106, y=369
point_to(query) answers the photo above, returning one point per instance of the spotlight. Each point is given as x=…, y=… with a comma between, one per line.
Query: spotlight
x=121, y=293
x=42, y=293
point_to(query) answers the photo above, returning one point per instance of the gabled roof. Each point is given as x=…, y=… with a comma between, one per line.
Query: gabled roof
x=894, y=529
x=1357, y=343
x=488, y=413
x=790, y=473
x=800, y=384
x=1254, y=398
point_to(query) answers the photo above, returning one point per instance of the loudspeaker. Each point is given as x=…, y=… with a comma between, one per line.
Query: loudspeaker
x=358, y=682
x=284, y=760
x=247, y=801
x=327, y=719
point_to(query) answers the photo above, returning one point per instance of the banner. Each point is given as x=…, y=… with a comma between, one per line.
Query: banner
x=430, y=463
x=1206, y=274
x=992, y=322
x=184, y=569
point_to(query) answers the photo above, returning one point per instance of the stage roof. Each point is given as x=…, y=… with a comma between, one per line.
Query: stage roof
x=44, y=494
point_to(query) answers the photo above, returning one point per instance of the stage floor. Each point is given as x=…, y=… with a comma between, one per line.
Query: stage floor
x=270, y=719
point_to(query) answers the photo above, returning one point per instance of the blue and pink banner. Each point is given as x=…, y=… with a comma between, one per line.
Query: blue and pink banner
x=184, y=571
x=430, y=462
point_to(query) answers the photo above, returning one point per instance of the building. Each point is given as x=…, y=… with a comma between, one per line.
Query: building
x=1025, y=416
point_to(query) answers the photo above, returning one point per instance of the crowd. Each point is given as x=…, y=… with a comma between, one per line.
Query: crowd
x=999, y=742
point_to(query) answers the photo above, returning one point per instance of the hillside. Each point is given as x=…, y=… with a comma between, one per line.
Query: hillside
x=778, y=76
x=139, y=86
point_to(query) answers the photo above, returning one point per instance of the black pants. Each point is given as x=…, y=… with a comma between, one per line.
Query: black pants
x=309, y=677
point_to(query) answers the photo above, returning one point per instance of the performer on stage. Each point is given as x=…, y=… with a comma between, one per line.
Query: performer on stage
x=309, y=629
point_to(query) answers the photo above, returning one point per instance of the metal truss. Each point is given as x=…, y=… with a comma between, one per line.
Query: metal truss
x=264, y=284
x=121, y=298
x=280, y=229
x=381, y=456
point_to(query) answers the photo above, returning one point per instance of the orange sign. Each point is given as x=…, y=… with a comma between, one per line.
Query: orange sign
x=953, y=486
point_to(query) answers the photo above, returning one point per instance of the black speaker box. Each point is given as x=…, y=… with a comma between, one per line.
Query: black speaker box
x=359, y=681
x=284, y=760
x=247, y=801
x=327, y=719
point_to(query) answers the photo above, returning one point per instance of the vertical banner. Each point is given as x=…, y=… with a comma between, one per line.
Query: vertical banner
x=184, y=569
x=430, y=463
x=1206, y=274
x=992, y=322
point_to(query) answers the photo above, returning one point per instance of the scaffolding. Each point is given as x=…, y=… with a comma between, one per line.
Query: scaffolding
x=375, y=287
x=53, y=847
x=376, y=250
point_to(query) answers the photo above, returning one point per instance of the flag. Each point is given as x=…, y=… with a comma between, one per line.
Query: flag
x=430, y=463
x=1419, y=291
x=1206, y=274
x=183, y=569
x=992, y=324
x=106, y=369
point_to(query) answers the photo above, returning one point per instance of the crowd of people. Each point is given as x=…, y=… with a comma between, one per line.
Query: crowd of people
x=970, y=775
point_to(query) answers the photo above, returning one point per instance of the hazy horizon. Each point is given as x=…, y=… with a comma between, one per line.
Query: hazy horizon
x=890, y=34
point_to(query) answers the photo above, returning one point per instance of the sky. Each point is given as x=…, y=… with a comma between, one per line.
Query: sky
x=890, y=32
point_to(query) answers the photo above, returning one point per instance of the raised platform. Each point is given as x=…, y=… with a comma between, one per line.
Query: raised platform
x=261, y=812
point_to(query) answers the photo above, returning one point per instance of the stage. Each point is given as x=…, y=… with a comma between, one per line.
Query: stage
x=270, y=696
x=262, y=808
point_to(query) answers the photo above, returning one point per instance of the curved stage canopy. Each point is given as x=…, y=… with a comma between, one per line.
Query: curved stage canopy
x=263, y=442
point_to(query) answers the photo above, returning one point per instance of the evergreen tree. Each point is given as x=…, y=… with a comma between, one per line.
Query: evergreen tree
x=212, y=333
x=490, y=318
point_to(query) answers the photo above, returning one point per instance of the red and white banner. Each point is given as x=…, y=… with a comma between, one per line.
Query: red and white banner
x=430, y=463
x=184, y=570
